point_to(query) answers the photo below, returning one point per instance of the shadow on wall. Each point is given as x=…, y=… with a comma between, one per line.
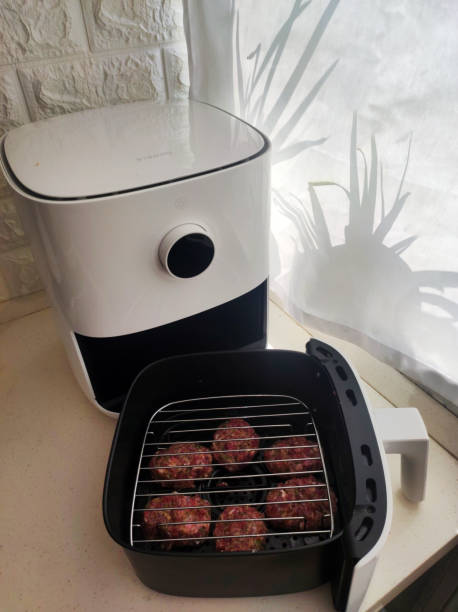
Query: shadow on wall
x=364, y=284
x=255, y=88
x=362, y=288
x=256, y=93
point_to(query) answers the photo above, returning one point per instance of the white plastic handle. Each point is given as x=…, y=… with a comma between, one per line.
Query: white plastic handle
x=403, y=431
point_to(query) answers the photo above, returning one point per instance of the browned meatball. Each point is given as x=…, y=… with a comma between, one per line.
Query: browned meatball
x=180, y=461
x=243, y=527
x=156, y=522
x=301, y=459
x=235, y=441
x=312, y=513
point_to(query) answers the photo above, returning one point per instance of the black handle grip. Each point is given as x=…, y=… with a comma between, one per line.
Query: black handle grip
x=364, y=527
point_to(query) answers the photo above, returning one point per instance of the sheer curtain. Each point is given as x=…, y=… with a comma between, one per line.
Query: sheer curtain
x=360, y=100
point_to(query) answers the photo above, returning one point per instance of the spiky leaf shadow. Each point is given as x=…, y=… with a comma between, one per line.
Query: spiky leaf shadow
x=255, y=90
x=314, y=236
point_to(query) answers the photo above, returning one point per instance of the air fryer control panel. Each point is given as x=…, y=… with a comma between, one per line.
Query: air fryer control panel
x=187, y=251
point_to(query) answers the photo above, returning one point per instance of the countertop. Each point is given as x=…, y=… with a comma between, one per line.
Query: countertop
x=55, y=554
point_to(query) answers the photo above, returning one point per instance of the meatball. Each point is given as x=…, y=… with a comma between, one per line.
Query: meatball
x=235, y=441
x=312, y=513
x=242, y=527
x=301, y=459
x=155, y=520
x=181, y=460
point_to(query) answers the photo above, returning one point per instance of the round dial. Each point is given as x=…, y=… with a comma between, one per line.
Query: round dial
x=186, y=251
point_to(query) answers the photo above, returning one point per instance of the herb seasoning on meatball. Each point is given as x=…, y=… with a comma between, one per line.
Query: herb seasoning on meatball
x=235, y=441
x=315, y=514
x=158, y=517
x=180, y=461
x=302, y=457
x=246, y=527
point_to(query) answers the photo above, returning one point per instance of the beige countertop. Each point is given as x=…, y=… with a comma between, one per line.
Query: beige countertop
x=55, y=554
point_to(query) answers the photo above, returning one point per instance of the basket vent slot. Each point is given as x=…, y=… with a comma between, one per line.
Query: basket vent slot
x=363, y=530
x=324, y=352
x=341, y=372
x=371, y=490
x=366, y=453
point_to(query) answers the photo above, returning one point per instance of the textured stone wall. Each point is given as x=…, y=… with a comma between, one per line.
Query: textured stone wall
x=60, y=56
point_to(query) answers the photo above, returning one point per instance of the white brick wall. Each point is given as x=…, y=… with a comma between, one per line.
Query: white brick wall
x=60, y=56
x=121, y=24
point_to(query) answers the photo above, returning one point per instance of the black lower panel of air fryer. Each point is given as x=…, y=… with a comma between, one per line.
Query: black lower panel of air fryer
x=113, y=363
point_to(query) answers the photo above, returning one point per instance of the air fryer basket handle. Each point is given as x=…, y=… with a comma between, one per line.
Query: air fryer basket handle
x=403, y=431
x=369, y=519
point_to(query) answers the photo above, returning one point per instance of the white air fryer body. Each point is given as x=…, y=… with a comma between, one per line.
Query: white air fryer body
x=149, y=223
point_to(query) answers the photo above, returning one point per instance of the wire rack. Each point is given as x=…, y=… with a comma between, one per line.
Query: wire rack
x=274, y=418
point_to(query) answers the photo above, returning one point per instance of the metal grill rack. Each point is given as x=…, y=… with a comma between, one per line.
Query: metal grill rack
x=273, y=417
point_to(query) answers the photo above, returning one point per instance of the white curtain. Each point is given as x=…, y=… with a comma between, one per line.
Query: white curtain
x=360, y=100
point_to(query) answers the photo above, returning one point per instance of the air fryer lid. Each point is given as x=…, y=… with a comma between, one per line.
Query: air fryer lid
x=129, y=146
